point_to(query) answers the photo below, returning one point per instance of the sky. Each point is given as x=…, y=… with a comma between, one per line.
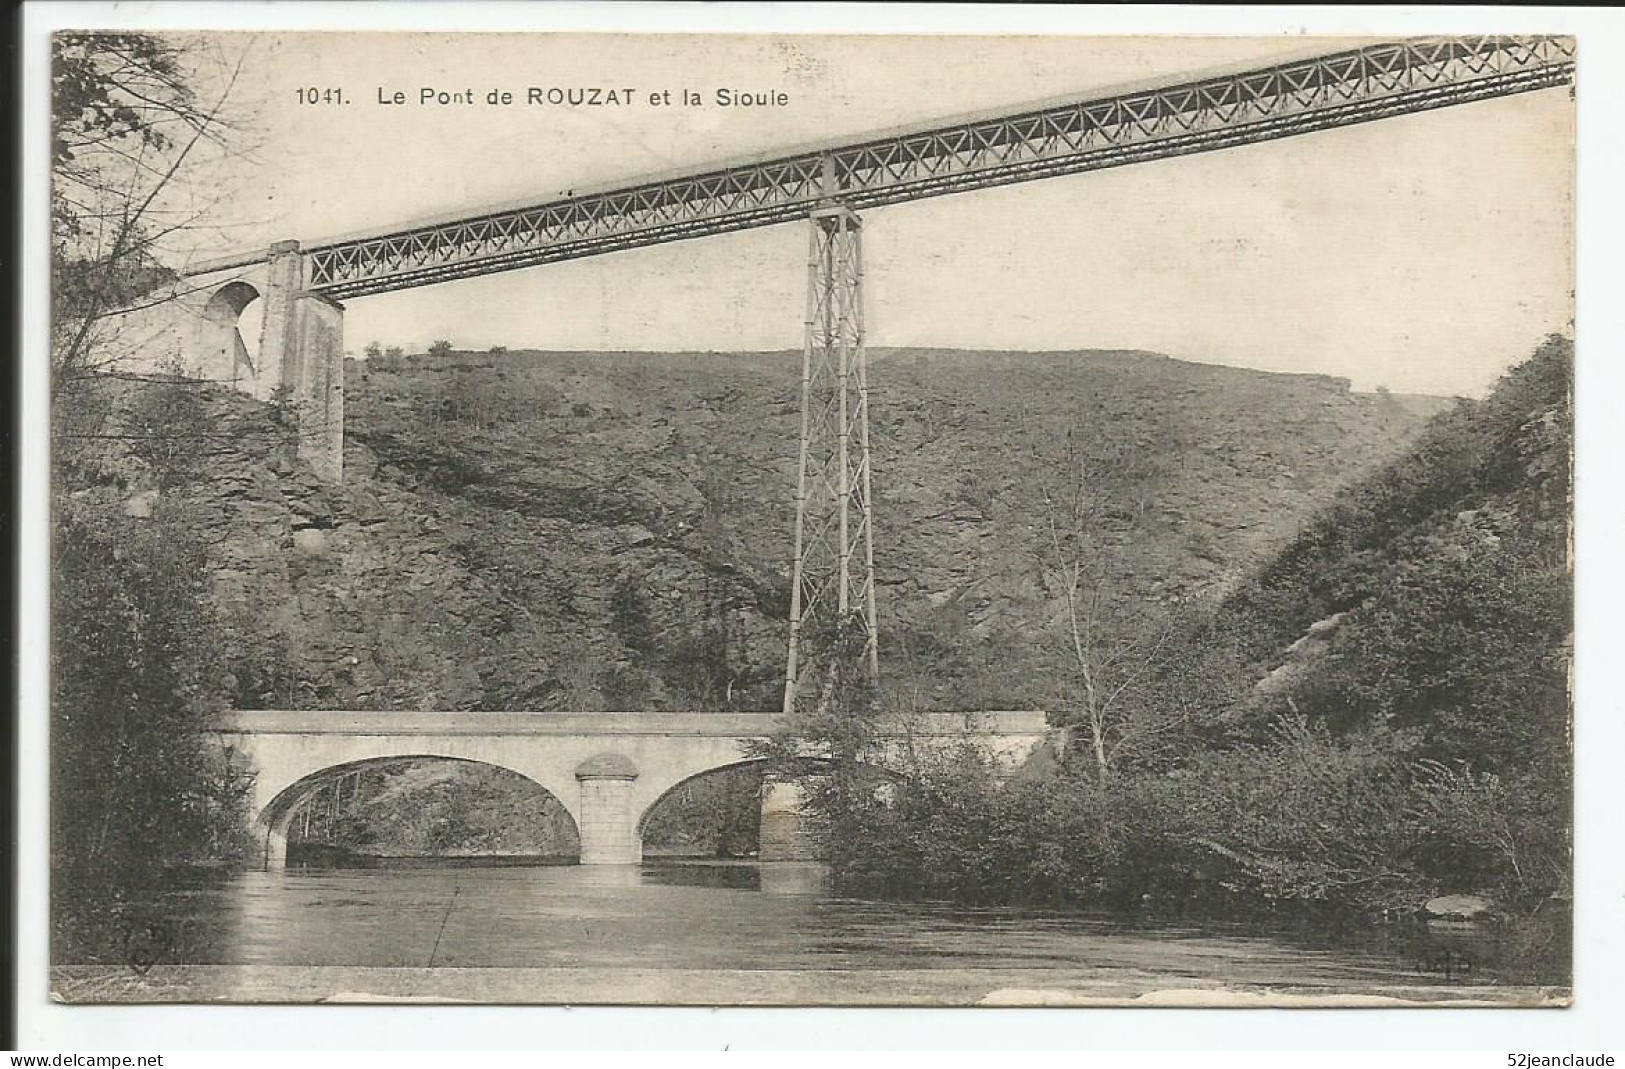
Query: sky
x=1426, y=253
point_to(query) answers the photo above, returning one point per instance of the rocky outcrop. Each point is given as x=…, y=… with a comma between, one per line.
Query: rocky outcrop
x=1458, y=908
x=1301, y=660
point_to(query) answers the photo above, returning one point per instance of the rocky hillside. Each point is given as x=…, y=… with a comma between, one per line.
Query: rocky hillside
x=586, y=530
x=1434, y=597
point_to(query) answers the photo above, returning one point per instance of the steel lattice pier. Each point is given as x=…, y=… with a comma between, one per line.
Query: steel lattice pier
x=833, y=584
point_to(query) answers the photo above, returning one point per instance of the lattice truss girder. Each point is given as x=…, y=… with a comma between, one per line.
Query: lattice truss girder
x=833, y=581
x=1278, y=101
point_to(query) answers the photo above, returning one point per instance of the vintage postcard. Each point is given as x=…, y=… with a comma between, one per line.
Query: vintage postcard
x=563, y=518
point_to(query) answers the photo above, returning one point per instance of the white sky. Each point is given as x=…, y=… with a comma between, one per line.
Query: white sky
x=1425, y=253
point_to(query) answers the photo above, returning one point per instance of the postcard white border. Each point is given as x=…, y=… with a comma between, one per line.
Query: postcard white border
x=1594, y=1022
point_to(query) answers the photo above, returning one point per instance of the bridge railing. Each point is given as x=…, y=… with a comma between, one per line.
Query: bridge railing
x=728, y=725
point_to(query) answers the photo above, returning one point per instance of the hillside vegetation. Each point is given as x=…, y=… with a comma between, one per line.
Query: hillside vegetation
x=1376, y=714
x=1333, y=630
x=1436, y=592
x=612, y=531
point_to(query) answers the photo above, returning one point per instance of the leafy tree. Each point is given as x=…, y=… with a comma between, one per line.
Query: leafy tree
x=478, y=398
x=831, y=742
x=132, y=145
x=701, y=659
x=137, y=793
x=440, y=348
x=167, y=428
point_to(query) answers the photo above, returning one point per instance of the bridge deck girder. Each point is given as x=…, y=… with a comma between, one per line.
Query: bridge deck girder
x=1339, y=89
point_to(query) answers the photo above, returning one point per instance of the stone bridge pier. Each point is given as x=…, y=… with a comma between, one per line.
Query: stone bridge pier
x=608, y=770
x=606, y=821
x=783, y=835
x=198, y=329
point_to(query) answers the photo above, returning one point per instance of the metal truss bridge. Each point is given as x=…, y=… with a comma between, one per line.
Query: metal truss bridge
x=833, y=627
x=1325, y=92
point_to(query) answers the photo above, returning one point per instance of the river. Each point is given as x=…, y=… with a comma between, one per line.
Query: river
x=714, y=933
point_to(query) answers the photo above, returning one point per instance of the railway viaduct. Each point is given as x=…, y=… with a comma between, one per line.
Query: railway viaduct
x=303, y=284
x=608, y=769
x=301, y=353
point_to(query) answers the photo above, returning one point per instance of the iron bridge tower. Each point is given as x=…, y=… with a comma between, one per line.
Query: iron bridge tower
x=832, y=597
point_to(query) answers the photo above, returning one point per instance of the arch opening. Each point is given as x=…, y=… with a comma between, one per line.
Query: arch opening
x=416, y=808
x=739, y=811
x=711, y=814
x=229, y=341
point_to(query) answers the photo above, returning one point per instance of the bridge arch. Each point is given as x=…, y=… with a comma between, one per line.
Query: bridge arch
x=227, y=346
x=780, y=800
x=661, y=803
x=273, y=820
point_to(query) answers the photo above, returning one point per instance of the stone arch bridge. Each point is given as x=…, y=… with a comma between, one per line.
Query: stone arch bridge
x=608, y=770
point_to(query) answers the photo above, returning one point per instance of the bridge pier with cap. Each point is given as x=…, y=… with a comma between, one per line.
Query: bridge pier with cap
x=300, y=363
x=303, y=337
x=607, y=823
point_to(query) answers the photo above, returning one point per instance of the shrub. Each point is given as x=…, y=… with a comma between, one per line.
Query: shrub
x=1485, y=832
x=1302, y=818
x=1301, y=821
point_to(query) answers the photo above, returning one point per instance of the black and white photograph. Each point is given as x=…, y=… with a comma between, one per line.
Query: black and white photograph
x=703, y=519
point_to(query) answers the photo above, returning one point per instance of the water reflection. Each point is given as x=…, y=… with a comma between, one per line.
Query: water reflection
x=706, y=915
x=773, y=877
x=793, y=878
x=317, y=857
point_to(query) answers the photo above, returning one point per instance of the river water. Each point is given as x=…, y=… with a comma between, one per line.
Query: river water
x=697, y=932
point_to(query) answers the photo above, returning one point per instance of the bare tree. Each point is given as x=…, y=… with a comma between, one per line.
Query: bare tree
x=130, y=135
x=1111, y=643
